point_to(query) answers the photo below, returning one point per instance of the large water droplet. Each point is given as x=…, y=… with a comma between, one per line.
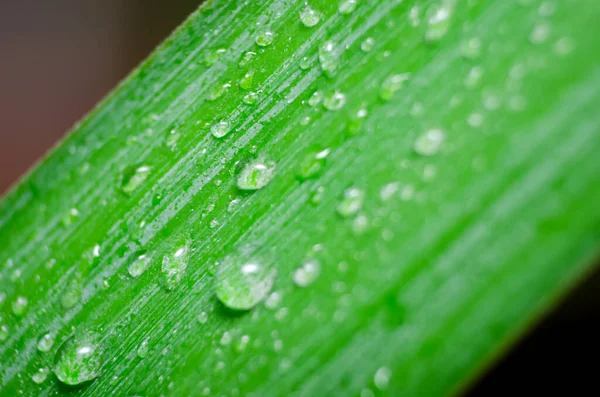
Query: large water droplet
x=264, y=38
x=309, y=17
x=79, y=359
x=438, y=22
x=307, y=273
x=313, y=164
x=45, y=342
x=241, y=283
x=133, y=177
x=174, y=267
x=429, y=143
x=352, y=202
x=139, y=265
x=256, y=175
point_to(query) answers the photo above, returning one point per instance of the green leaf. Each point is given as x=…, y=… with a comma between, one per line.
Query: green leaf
x=458, y=200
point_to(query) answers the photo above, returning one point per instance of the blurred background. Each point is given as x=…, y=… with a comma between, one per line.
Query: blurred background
x=58, y=58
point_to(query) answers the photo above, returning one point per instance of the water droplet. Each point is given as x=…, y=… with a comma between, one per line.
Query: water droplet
x=172, y=138
x=241, y=284
x=218, y=91
x=317, y=196
x=355, y=123
x=382, y=378
x=70, y=217
x=256, y=175
x=367, y=393
x=328, y=58
x=307, y=273
x=45, y=342
x=540, y=33
x=392, y=84
x=352, y=202
x=212, y=56
x=471, y=49
x=220, y=129
x=335, y=101
x=264, y=38
x=203, y=318
x=225, y=339
x=564, y=46
x=309, y=17
x=232, y=204
x=475, y=120
x=367, y=45
x=313, y=164
x=439, y=20
x=473, y=77
x=133, y=177
x=143, y=349
x=3, y=333
x=273, y=301
x=347, y=6
x=214, y=223
x=19, y=306
x=245, y=82
x=389, y=190
x=72, y=293
x=250, y=98
x=174, y=267
x=140, y=264
x=305, y=63
x=40, y=375
x=360, y=224
x=79, y=359
x=430, y=142
x=247, y=58
x=315, y=99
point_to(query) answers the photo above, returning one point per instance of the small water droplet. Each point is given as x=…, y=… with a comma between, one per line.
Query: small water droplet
x=143, y=349
x=174, y=267
x=242, y=283
x=220, y=129
x=389, y=190
x=225, y=339
x=218, y=91
x=3, y=332
x=40, y=375
x=382, y=378
x=313, y=164
x=256, y=174
x=430, y=142
x=273, y=301
x=352, y=202
x=214, y=223
x=245, y=82
x=471, y=49
x=564, y=46
x=473, y=77
x=360, y=224
x=72, y=293
x=45, y=342
x=212, y=56
x=307, y=273
x=172, y=138
x=232, y=204
x=139, y=265
x=328, y=58
x=305, y=63
x=368, y=44
x=438, y=22
x=317, y=196
x=366, y=392
x=79, y=359
x=70, y=217
x=335, y=101
x=133, y=177
x=347, y=6
x=264, y=38
x=250, y=98
x=247, y=58
x=203, y=318
x=392, y=84
x=19, y=306
x=309, y=17
x=540, y=33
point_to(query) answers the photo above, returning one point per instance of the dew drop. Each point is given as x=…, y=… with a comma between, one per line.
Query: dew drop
x=439, y=20
x=273, y=301
x=382, y=378
x=305, y=63
x=473, y=77
x=70, y=217
x=471, y=49
x=143, y=349
x=72, y=294
x=140, y=264
x=3, y=332
x=389, y=190
x=430, y=143
x=212, y=56
x=309, y=17
x=218, y=91
x=203, y=318
x=335, y=101
x=540, y=33
x=45, y=342
x=40, y=375
x=347, y=6
x=307, y=273
x=564, y=46
x=392, y=84
x=245, y=82
x=241, y=284
x=328, y=58
x=133, y=177
x=19, y=306
x=232, y=204
x=248, y=56
x=351, y=203
x=256, y=175
x=250, y=98
x=79, y=359
x=264, y=38
x=174, y=267
x=360, y=224
x=172, y=138
x=220, y=129
x=367, y=45
x=313, y=164
x=225, y=339
x=317, y=196
x=315, y=99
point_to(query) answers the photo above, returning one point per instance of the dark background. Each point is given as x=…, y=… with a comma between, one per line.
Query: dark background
x=59, y=57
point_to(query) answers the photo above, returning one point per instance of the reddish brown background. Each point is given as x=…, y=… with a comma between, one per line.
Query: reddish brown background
x=59, y=57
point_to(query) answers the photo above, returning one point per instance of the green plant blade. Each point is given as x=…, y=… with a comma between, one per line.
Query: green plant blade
x=389, y=235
